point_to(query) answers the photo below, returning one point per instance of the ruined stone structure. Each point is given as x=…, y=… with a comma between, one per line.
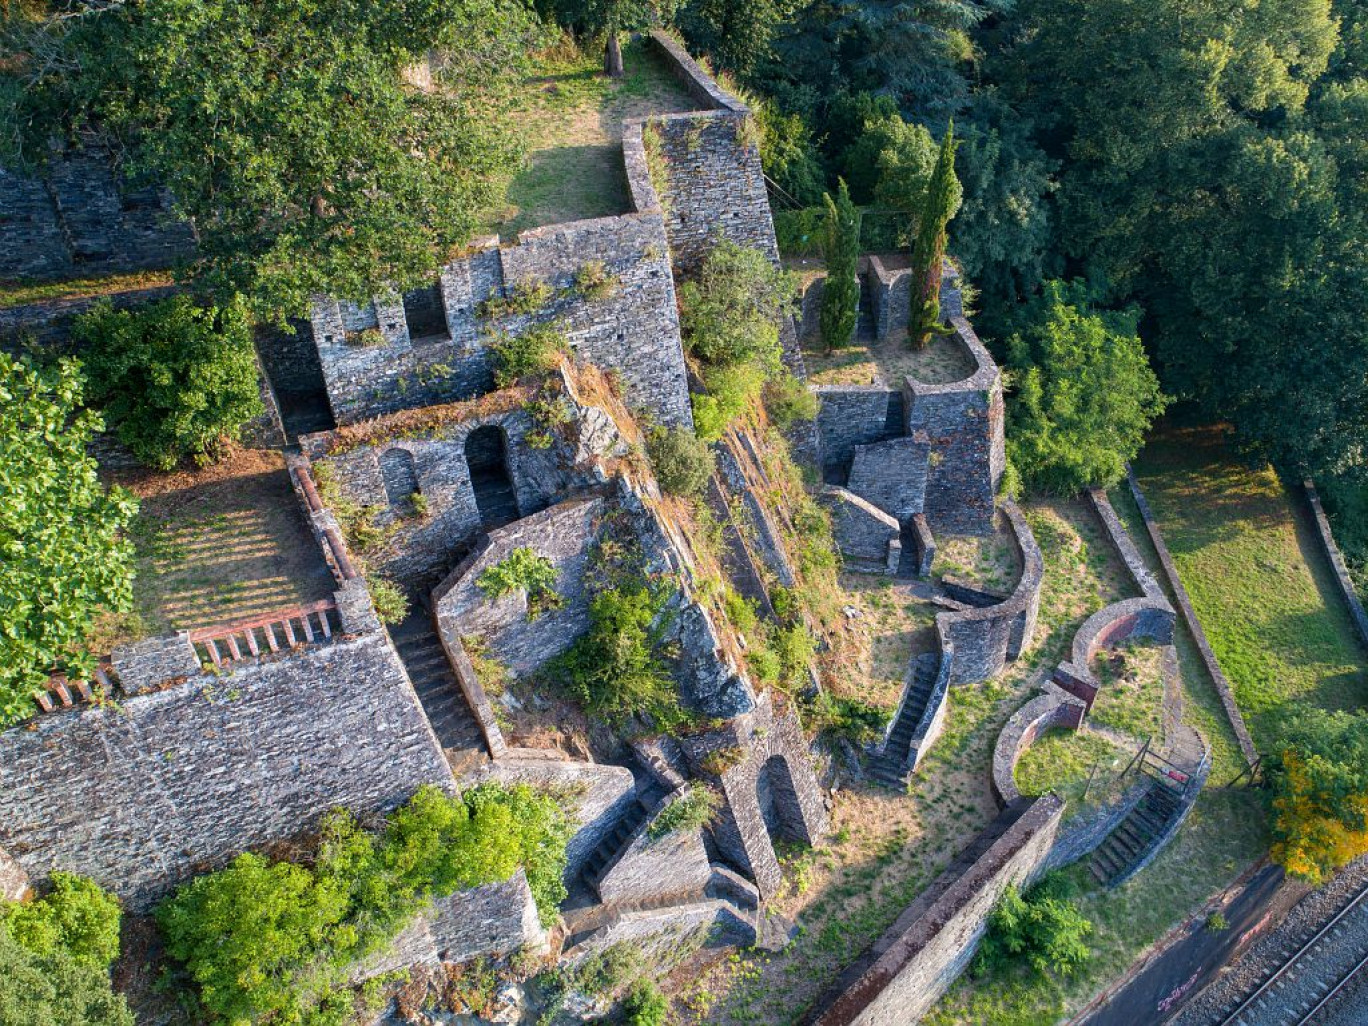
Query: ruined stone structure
x=78, y=216
x=919, y=448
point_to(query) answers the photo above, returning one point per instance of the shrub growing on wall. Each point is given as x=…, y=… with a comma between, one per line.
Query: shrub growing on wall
x=274, y=941
x=841, y=291
x=1085, y=393
x=175, y=380
x=55, y=954
x=64, y=557
x=535, y=351
x=523, y=570
x=683, y=462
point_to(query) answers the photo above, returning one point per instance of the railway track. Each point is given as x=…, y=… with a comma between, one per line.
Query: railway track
x=1308, y=982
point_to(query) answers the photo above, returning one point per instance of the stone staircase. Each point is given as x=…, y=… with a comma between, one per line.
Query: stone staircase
x=438, y=690
x=605, y=856
x=889, y=766
x=495, y=498
x=1131, y=840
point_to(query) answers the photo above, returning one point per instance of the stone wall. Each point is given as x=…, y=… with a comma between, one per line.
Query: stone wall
x=649, y=868
x=893, y=475
x=496, y=919
x=771, y=792
x=565, y=535
x=850, y=416
x=79, y=218
x=933, y=941
x=178, y=781
x=1332, y=553
x=634, y=330
x=890, y=289
x=869, y=539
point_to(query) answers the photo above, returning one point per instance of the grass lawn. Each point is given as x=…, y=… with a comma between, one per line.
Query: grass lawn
x=1245, y=550
x=570, y=117
x=23, y=291
x=1132, y=697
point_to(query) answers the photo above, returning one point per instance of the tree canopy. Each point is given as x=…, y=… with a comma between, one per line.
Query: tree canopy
x=64, y=556
x=286, y=132
x=1084, y=393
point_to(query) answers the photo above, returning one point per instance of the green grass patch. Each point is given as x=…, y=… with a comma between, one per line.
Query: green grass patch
x=1062, y=760
x=23, y=291
x=1264, y=594
x=1132, y=696
x=569, y=116
x=1222, y=837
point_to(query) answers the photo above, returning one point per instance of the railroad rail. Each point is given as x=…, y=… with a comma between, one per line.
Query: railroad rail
x=1308, y=981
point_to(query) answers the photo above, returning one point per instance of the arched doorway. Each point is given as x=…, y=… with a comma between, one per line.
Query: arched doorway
x=778, y=800
x=487, y=458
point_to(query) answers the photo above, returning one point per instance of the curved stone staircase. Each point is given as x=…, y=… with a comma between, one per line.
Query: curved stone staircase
x=1125, y=848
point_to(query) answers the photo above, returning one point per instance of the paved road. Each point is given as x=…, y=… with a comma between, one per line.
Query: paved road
x=1158, y=991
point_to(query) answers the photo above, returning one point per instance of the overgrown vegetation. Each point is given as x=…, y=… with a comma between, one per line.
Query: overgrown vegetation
x=682, y=461
x=525, y=570
x=174, y=379
x=273, y=941
x=65, y=557
x=55, y=953
x=391, y=604
x=692, y=812
x=932, y=211
x=318, y=169
x=535, y=351
x=1319, y=780
x=1040, y=928
x=1085, y=395
x=730, y=321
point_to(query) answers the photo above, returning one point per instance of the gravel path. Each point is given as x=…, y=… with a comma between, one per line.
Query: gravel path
x=1300, y=989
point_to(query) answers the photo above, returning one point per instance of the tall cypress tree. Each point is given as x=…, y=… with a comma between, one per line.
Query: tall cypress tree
x=841, y=247
x=940, y=203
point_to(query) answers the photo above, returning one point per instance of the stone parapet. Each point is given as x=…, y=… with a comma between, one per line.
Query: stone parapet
x=869, y=539
x=153, y=663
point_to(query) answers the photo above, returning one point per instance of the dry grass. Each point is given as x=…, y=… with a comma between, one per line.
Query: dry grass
x=218, y=545
x=23, y=291
x=989, y=561
x=887, y=847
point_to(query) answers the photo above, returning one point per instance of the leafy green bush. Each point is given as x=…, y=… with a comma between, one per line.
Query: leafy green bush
x=646, y=1005
x=1040, y=928
x=535, y=351
x=788, y=400
x=731, y=390
x=76, y=917
x=64, y=556
x=175, y=379
x=1085, y=392
x=800, y=233
x=692, y=812
x=683, y=462
x=730, y=314
x=273, y=941
x=55, y=989
x=523, y=570
x=615, y=670
x=55, y=953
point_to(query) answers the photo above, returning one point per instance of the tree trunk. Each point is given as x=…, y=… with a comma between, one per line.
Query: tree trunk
x=612, y=57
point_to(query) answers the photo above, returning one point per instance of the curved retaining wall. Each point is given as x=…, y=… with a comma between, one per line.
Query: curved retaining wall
x=975, y=644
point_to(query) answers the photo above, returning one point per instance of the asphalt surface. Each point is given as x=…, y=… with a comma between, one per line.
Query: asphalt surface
x=1158, y=992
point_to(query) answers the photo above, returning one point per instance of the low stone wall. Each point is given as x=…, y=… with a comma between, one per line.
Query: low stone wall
x=933, y=941
x=662, y=934
x=1049, y=711
x=1223, y=688
x=869, y=539
x=496, y=919
x=891, y=293
x=1332, y=553
x=893, y=475
x=850, y=416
